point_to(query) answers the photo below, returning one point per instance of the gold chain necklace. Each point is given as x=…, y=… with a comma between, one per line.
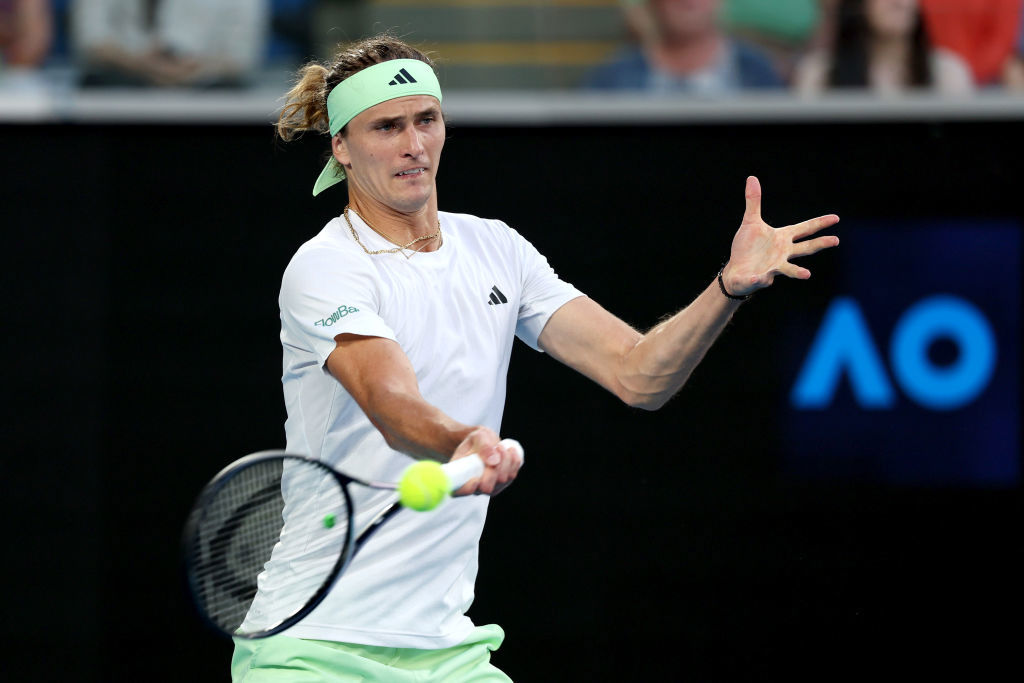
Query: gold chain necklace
x=400, y=249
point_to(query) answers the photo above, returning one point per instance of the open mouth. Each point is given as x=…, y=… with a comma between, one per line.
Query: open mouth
x=411, y=173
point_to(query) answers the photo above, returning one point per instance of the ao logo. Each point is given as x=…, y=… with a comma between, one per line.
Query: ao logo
x=844, y=344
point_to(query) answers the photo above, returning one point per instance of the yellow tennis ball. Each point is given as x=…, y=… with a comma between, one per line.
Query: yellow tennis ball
x=423, y=486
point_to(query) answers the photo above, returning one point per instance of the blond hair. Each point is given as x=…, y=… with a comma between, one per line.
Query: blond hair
x=305, y=106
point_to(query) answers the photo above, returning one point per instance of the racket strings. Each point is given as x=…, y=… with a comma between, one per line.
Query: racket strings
x=243, y=532
x=240, y=525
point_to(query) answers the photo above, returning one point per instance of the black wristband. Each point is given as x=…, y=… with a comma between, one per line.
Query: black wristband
x=721, y=286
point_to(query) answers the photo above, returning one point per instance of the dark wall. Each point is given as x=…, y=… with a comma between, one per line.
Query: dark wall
x=143, y=356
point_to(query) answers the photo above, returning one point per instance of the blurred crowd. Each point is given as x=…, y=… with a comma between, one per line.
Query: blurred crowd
x=950, y=47
x=703, y=47
x=175, y=43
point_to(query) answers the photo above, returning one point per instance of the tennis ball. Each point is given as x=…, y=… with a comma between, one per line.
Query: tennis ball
x=423, y=486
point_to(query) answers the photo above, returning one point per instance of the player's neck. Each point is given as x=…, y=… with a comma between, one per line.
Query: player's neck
x=400, y=226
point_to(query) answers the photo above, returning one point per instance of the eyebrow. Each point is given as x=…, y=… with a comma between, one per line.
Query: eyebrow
x=429, y=111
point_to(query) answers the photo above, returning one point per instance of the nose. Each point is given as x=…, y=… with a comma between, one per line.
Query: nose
x=413, y=142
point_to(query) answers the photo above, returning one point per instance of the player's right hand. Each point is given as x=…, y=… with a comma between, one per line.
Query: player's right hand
x=501, y=464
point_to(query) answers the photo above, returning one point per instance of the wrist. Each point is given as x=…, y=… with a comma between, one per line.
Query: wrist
x=728, y=290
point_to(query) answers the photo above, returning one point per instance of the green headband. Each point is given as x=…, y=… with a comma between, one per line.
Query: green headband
x=367, y=88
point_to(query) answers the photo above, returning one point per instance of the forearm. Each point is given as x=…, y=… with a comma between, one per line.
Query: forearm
x=412, y=425
x=646, y=370
x=661, y=362
x=663, y=359
x=378, y=375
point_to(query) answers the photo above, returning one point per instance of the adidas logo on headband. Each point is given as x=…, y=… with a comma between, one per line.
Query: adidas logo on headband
x=402, y=77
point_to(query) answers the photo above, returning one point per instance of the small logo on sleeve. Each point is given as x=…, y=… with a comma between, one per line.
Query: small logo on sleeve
x=336, y=316
x=496, y=297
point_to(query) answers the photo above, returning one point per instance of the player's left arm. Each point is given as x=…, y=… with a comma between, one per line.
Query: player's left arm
x=646, y=370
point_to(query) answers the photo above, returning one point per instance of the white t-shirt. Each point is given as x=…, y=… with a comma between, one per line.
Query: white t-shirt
x=454, y=312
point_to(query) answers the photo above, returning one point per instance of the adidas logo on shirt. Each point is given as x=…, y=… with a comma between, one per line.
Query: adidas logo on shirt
x=496, y=297
x=403, y=77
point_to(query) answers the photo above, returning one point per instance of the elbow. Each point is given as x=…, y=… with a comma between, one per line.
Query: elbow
x=642, y=391
x=649, y=402
x=391, y=437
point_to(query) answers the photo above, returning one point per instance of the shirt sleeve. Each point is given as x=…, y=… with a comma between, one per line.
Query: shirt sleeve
x=326, y=292
x=543, y=293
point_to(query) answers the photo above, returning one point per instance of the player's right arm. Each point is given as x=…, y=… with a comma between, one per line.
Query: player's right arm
x=378, y=375
x=329, y=298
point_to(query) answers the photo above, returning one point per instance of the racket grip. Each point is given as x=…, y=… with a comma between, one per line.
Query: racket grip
x=462, y=470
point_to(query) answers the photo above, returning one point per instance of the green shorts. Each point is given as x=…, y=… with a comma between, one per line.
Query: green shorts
x=281, y=658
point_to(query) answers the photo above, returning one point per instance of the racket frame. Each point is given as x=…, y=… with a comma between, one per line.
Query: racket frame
x=460, y=471
x=351, y=544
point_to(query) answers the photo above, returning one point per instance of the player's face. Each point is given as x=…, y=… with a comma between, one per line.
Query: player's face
x=892, y=18
x=392, y=150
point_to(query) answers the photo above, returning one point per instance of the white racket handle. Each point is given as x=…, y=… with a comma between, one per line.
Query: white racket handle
x=462, y=470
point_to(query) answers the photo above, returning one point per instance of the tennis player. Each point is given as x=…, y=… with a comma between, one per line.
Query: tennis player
x=397, y=323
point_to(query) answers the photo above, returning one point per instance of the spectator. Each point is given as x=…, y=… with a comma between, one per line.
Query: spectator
x=782, y=28
x=1013, y=72
x=26, y=31
x=199, y=43
x=983, y=32
x=882, y=45
x=685, y=52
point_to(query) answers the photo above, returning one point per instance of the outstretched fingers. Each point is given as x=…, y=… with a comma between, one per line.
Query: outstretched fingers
x=752, y=194
x=800, y=230
x=786, y=269
x=794, y=271
x=814, y=246
x=758, y=246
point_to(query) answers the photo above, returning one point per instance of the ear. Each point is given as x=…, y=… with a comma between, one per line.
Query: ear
x=340, y=150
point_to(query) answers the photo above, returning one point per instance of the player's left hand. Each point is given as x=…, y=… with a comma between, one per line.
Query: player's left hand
x=760, y=252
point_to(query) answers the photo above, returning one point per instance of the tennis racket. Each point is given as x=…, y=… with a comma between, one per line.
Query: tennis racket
x=242, y=514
